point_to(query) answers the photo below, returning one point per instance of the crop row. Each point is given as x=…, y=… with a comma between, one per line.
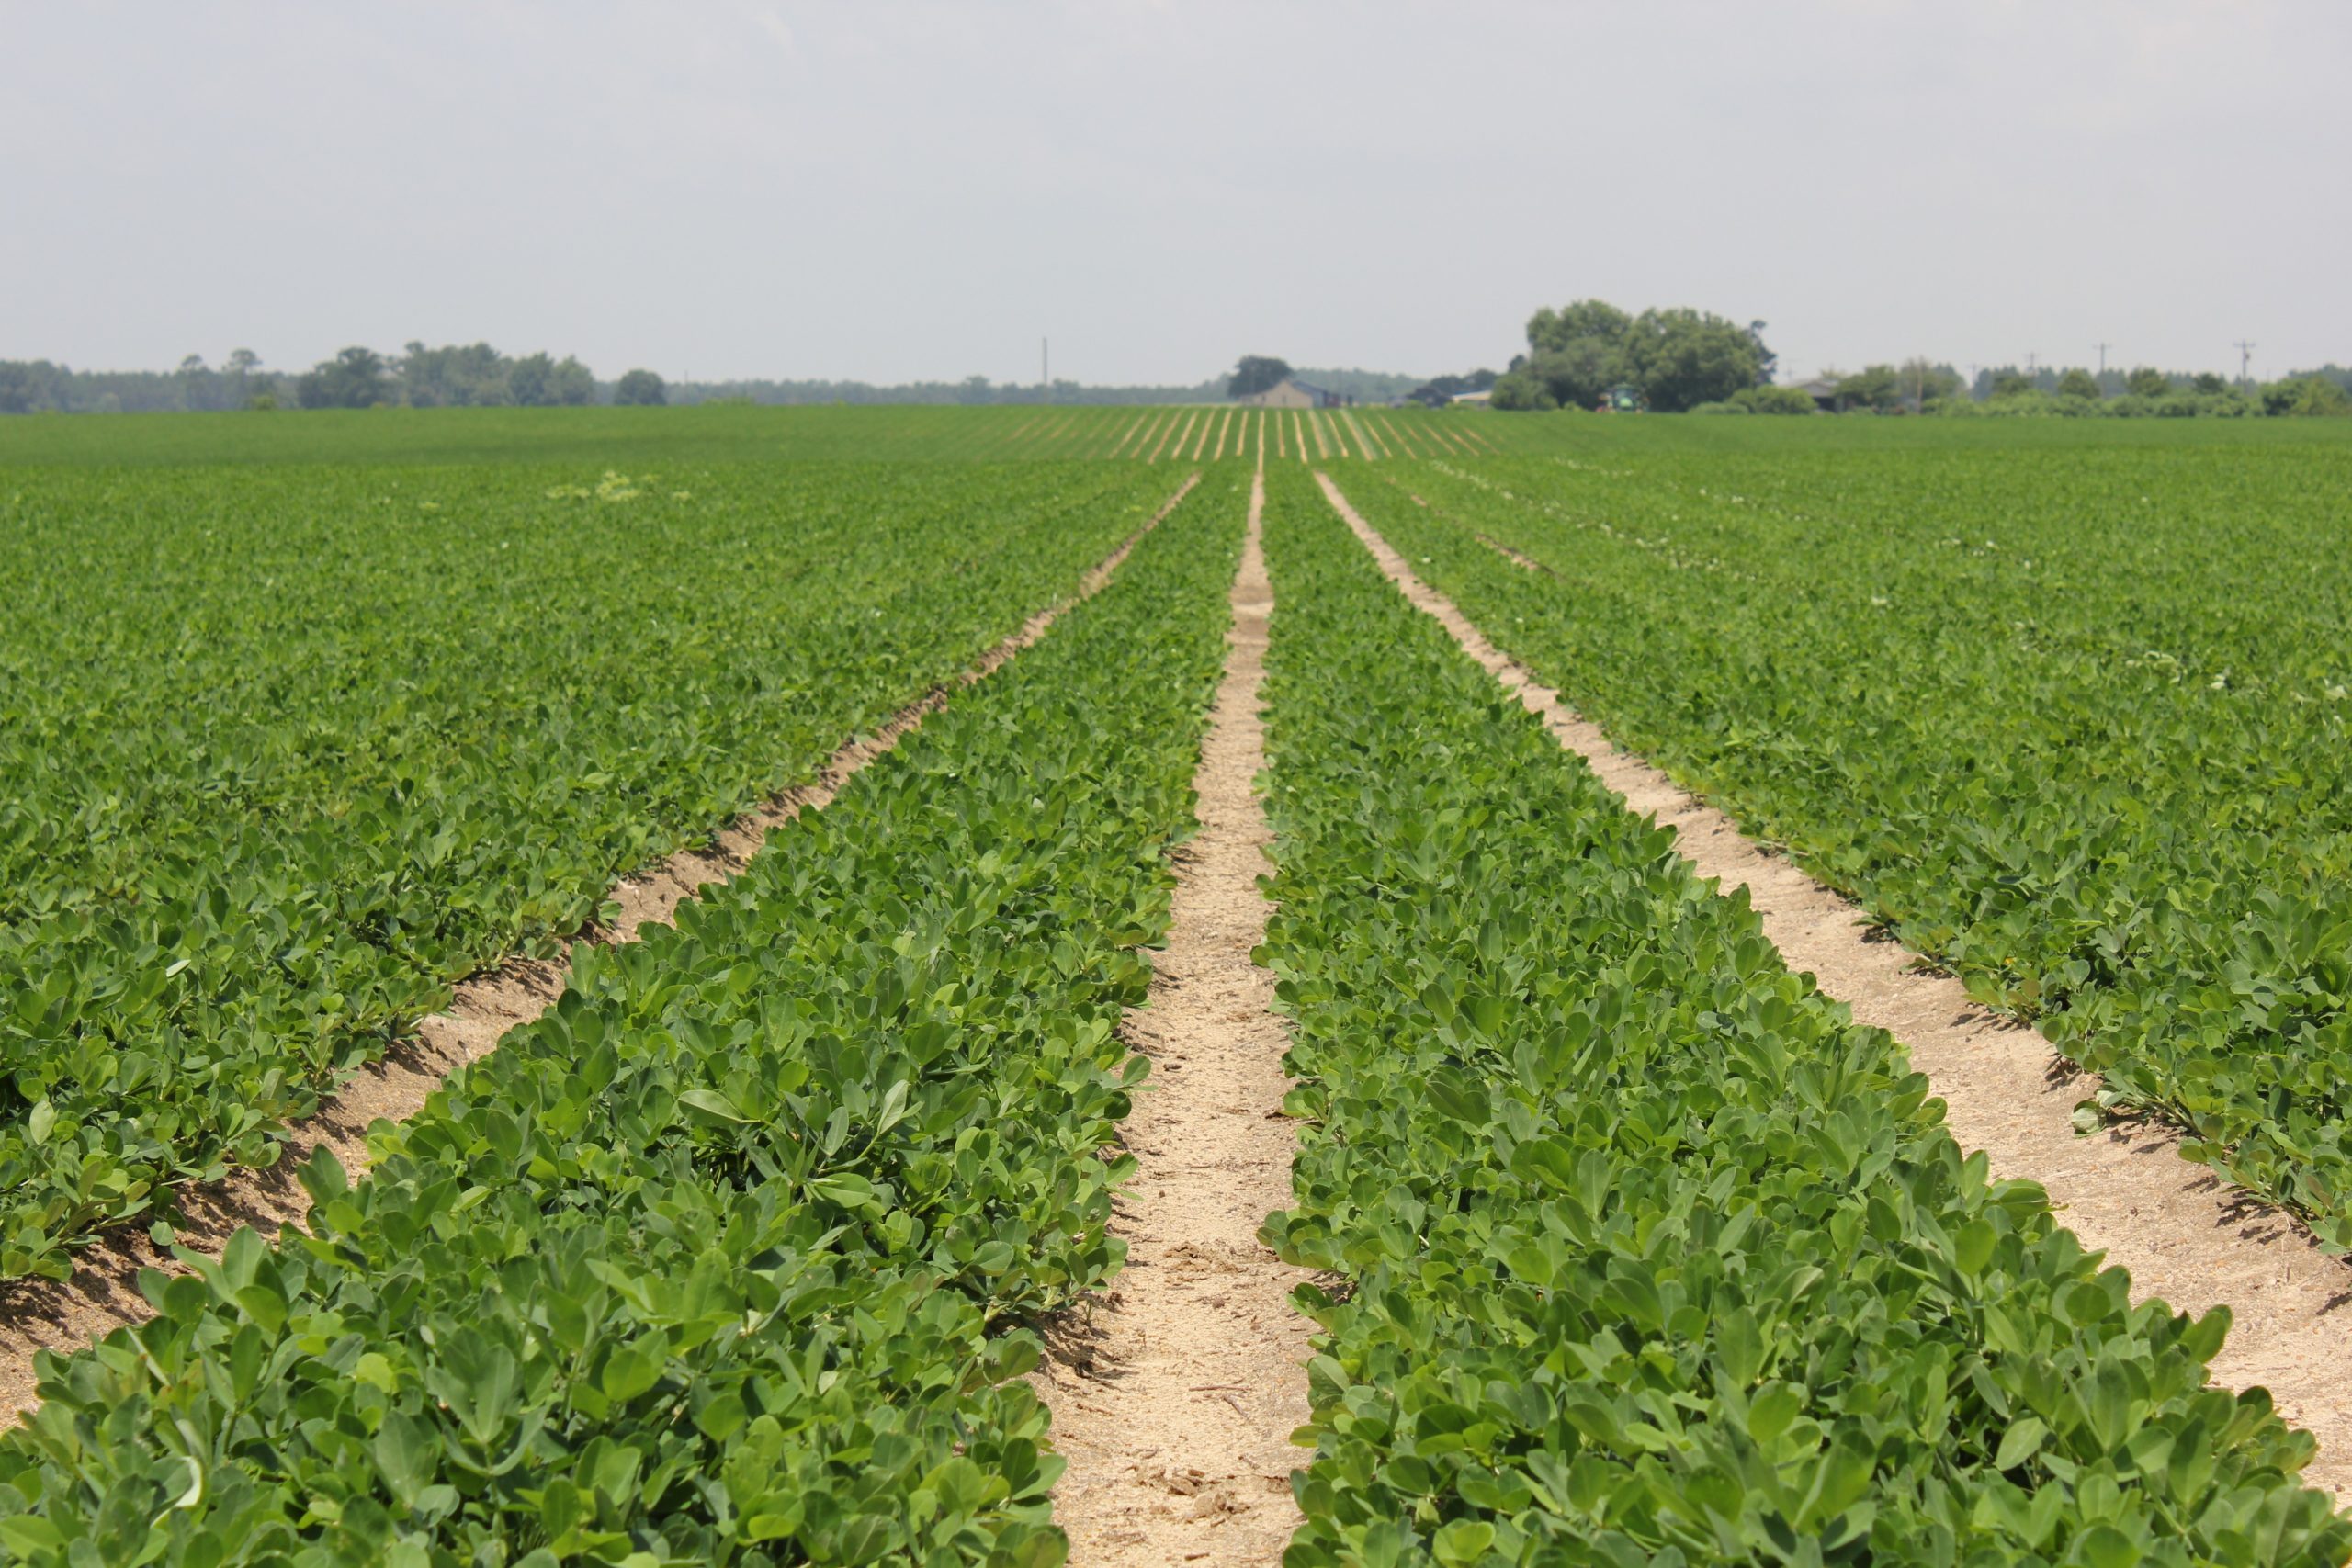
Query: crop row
x=1650, y=1255
x=285, y=754
x=2076, y=728
x=702, y=1265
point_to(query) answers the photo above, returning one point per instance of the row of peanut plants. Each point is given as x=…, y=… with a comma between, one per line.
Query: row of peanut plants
x=287, y=751
x=2072, y=724
x=722, y=1260
x=1646, y=1253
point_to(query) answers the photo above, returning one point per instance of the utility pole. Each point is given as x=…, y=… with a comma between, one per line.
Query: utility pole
x=1046, y=369
x=2031, y=356
x=2245, y=358
x=2102, y=357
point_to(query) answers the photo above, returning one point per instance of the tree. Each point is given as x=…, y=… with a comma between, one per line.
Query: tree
x=573, y=385
x=2078, y=383
x=1255, y=374
x=536, y=381
x=2208, y=383
x=2148, y=383
x=1875, y=387
x=1683, y=357
x=356, y=378
x=1576, y=354
x=454, y=376
x=641, y=389
x=1595, y=320
x=1577, y=374
x=1522, y=390
x=2306, y=395
x=237, y=375
x=2011, y=383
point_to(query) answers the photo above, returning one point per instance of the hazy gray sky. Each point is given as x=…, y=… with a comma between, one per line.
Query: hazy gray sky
x=886, y=192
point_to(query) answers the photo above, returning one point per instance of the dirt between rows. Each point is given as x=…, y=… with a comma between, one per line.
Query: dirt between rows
x=2186, y=1238
x=103, y=1294
x=1174, y=1392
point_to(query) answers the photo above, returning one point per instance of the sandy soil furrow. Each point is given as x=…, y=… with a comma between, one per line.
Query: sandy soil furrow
x=1128, y=433
x=1175, y=1392
x=1371, y=449
x=1298, y=419
x=2185, y=1238
x=1201, y=444
x=1223, y=425
x=1166, y=433
x=103, y=1294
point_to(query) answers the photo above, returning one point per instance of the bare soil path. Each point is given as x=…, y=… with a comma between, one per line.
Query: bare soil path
x=1174, y=1392
x=103, y=1294
x=1371, y=449
x=2185, y=1238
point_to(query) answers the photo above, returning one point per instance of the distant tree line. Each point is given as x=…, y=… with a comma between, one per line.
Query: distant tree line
x=451, y=375
x=2047, y=391
x=972, y=391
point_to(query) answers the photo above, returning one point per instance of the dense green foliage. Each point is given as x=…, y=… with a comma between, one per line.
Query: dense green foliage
x=1653, y=1258
x=704, y=1265
x=1678, y=358
x=287, y=751
x=2073, y=725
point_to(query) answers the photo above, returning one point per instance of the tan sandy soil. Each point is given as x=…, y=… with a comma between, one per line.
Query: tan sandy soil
x=1201, y=444
x=1223, y=426
x=1174, y=1392
x=1401, y=437
x=103, y=1294
x=1298, y=421
x=1127, y=433
x=1372, y=448
x=1167, y=433
x=2185, y=1238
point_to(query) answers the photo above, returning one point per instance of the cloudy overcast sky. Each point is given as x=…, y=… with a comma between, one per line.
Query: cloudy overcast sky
x=887, y=192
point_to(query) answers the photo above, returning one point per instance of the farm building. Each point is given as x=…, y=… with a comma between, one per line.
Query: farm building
x=1823, y=391
x=1290, y=393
